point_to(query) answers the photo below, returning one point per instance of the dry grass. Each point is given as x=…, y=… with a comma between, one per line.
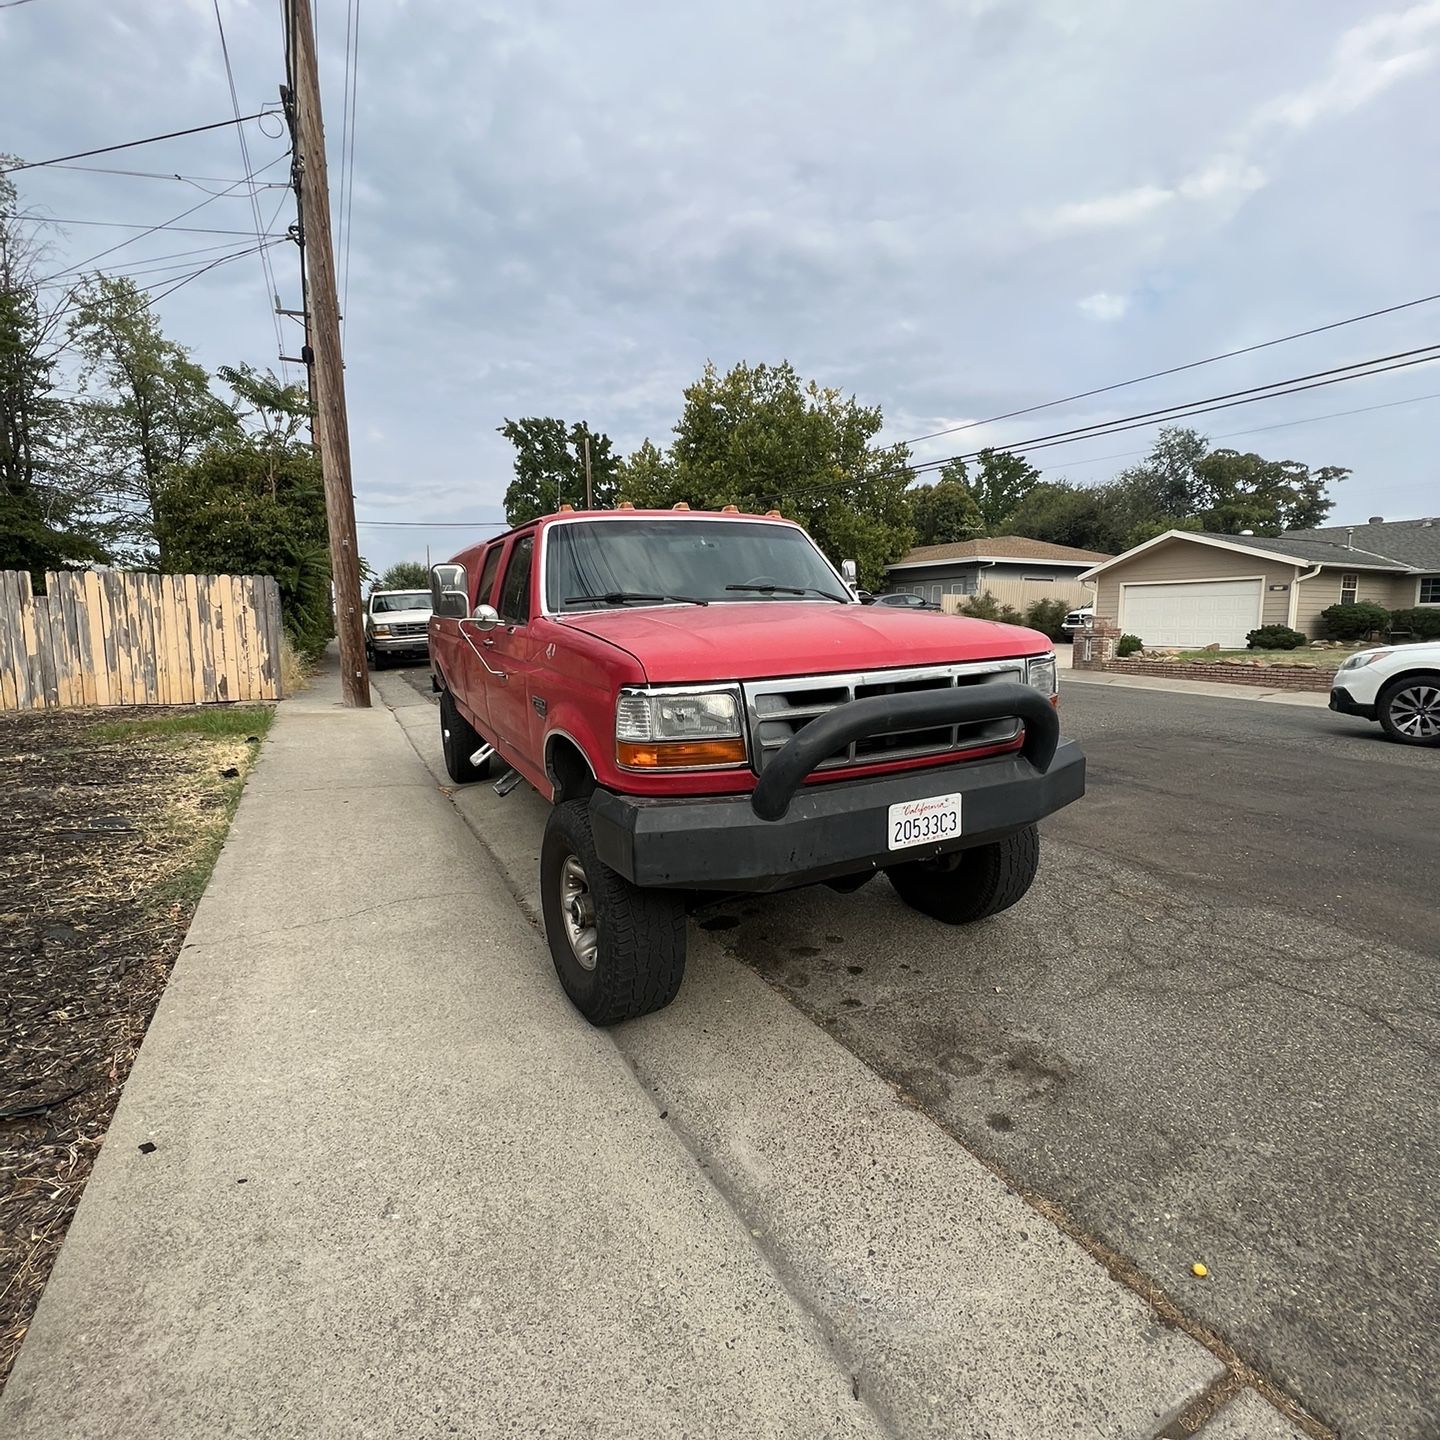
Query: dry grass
x=295, y=669
x=115, y=820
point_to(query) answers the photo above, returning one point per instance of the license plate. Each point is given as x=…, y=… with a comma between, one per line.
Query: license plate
x=924, y=822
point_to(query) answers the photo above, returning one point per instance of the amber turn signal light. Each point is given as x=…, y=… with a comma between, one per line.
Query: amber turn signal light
x=678, y=754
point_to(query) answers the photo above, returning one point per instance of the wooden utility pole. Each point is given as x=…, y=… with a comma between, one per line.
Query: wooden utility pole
x=322, y=324
x=589, y=497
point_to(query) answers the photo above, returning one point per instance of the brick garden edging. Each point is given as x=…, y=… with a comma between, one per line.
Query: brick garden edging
x=1270, y=677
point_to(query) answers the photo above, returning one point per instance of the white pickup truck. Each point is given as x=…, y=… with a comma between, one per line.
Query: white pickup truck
x=397, y=626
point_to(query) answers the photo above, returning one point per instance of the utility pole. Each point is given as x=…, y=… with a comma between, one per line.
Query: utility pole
x=322, y=325
x=589, y=497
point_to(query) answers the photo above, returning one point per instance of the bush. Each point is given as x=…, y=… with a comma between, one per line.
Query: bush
x=1047, y=616
x=1422, y=621
x=1128, y=645
x=1355, y=622
x=986, y=607
x=1275, y=637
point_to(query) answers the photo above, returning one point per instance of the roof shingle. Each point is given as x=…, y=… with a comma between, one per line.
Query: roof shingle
x=1410, y=542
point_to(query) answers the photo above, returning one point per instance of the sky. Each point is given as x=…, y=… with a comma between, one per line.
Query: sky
x=951, y=208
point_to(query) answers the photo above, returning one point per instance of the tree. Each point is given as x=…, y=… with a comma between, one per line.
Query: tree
x=759, y=437
x=946, y=512
x=252, y=502
x=404, y=575
x=646, y=476
x=147, y=407
x=1000, y=482
x=44, y=523
x=1167, y=481
x=550, y=467
x=1066, y=514
x=1248, y=492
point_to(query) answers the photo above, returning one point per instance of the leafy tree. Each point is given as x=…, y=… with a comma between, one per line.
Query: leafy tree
x=1000, y=482
x=148, y=407
x=646, y=477
x=44, y=522
x=404, y=575
x=758, y=436
x=1066, y=514
x=252, y=502
x=550, y=467
x=1248, y=492
x=946, y=512
x=1167, y=481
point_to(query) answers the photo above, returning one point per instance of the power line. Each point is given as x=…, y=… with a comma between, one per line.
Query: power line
x=131, y=144
x=167, y=175
x=1177, y=369
x=436, y=524
x=350, y=179
x=345, y=209
x=272, y=296
x=140, y=224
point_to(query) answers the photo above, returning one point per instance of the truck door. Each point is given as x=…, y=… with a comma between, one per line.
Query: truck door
x=477, y=678
x=512, y=653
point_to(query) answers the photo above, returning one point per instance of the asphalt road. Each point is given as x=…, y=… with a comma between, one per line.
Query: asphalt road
x=1209, y=1033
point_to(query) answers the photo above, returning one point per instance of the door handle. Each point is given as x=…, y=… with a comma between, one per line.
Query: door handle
x=487, y=643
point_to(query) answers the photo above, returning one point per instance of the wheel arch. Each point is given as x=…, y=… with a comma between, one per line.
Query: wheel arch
x=568, y=767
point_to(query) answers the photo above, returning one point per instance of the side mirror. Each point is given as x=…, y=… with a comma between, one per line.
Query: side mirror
x=486, y=617
x=850, y=571
x=449, y=593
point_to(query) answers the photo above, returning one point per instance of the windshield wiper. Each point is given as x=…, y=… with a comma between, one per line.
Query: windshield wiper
x=791, y=590
x=625, y=597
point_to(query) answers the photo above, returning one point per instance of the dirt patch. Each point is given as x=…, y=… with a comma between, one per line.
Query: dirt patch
x=112, y=822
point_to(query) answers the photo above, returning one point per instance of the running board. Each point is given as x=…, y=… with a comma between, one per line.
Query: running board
x=482, y=754
x=507, y=782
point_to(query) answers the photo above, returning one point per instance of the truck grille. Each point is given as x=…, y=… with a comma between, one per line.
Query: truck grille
x=411, y=627
x=778, y=710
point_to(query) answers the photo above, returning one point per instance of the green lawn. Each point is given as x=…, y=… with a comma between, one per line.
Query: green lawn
x=213, y=722
x=1320, y=659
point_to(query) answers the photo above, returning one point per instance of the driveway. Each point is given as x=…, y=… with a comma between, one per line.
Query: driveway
x=1208, y=1035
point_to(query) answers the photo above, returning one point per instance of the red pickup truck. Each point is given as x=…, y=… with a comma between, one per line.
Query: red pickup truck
x=710, y=710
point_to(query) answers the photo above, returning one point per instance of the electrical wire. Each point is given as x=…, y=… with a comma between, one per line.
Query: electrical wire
x=272, y=295
x=345, y=210
x=1178, y=369
x=169, y=175
x=131, y=144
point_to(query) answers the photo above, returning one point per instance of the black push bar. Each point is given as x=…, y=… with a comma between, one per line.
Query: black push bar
x=917, y=710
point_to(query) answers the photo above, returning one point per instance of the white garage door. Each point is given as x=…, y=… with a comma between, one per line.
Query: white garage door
x=1196, y=613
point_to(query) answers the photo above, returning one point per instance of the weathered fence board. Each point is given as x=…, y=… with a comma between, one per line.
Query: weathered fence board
x=107, y=638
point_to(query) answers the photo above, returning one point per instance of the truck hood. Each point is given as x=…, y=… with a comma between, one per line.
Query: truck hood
x=769, y=639
x=402, y=617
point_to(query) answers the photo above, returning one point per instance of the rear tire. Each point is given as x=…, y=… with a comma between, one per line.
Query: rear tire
x=619, y=951
x=460, y=740
x=970, y=885
x=1409, y=709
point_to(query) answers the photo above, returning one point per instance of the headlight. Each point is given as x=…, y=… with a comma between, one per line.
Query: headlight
x=1040, y=672
x=381, y=630
x=1363, y=657
x=678, y=730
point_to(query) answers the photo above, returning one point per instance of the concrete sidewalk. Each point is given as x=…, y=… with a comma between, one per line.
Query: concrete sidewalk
x=1218, y=690
x=398, y=1188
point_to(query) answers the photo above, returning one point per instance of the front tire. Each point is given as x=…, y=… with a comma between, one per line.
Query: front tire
x=969, y=885
x=1409, y=709
x=619, y=951
x=459, y=739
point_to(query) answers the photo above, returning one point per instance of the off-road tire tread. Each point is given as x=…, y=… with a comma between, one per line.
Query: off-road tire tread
x=988, y=880
x=1382, y=707
x=463, y=741
x=642, y=932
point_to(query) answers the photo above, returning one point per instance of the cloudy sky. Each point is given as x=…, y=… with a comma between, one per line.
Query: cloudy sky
x=954, y=208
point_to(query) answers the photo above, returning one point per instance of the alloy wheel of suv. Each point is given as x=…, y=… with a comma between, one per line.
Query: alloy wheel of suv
x=1409, y=710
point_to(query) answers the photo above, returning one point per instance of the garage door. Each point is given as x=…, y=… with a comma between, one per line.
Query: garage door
x=1196, y=613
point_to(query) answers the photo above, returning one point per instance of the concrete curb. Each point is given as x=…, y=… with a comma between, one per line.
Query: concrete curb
x=1216, y=690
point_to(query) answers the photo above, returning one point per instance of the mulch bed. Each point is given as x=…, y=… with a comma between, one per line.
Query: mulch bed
x=100, y=835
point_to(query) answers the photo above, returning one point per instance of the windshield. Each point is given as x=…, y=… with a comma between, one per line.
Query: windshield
x=611, y=563
x=408, y=600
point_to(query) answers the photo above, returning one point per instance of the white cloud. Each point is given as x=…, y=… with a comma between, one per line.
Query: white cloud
x=1104, y=306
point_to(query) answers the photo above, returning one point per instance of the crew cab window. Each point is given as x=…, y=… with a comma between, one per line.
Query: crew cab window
x=515, y=592
x=596, y=564
x=487, y=574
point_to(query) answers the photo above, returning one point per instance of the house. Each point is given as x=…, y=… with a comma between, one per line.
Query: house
x=1014, y=568
x=1191, y=589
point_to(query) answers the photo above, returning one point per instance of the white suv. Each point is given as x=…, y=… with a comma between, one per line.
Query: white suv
x=1398, y=685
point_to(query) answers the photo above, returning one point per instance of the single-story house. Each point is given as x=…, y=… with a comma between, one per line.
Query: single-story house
x=1014, y=568
x=1191, y=589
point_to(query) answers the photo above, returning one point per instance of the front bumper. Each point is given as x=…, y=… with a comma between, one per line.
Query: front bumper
x=828, y=831
x=399, y=644
x=1342, y=702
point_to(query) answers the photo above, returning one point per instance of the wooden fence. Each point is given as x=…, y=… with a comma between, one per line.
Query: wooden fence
x=111, y=638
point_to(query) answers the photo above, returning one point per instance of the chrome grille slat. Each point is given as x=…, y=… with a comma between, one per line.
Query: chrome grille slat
x=777, y=709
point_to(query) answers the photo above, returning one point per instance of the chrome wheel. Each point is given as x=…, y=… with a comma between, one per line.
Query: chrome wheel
x=577, y=906
x=1415, y=711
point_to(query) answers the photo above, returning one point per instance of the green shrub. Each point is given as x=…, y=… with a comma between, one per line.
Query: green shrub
x=1275, y=637
x=1128, y=645
x=986, y=607
x=1423, y=621
x=1047, y=616
x=1355, y=622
